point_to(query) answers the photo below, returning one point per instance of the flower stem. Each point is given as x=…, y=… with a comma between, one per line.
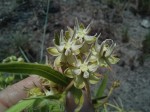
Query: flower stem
x=114, y=107
x=69, y=85
x=87, y=87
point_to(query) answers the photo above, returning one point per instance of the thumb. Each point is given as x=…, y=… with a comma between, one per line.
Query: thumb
x=14, y=93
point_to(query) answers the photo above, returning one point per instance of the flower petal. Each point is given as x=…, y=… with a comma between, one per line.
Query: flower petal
x=67, y=52
x=71, y=60
x=93, y=79
x=102, y=63
x=79, y=82
x=110, y=50
x=76, y=52
x=53, y=51
x=77, y=71
x=101, y=48
x=92, y=67
x=60, y=48
x=68, y=73
x=67, y=35
x=56, y=40
x=89, y=39
x=77, y=24
x=78, y=62
x=86, y=74
x=76, y=47
x=88, y=27
x=85, y=48
x=61, y=37
x=57, y=62
x=97, y=46
x=70, y=31
x=113, y=60
x=82, y=26
x=93, y=58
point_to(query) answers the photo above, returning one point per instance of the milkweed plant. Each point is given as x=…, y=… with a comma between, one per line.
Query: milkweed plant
x=79, y=55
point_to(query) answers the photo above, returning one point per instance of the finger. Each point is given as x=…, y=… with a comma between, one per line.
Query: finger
x=12, y=94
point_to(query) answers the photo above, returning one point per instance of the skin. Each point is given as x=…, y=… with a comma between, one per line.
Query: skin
x=14, y=93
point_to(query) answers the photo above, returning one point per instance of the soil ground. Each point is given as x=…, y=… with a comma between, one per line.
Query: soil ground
x=22, y=24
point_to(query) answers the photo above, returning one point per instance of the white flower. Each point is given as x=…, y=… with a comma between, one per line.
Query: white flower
x=82, y=33
x=103, y=53
x=84, y=68
x=81, y=71
x=64, y=48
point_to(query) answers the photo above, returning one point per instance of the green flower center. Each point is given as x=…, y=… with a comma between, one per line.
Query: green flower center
x=81, y=33
x=68, y=45
x=83, y=67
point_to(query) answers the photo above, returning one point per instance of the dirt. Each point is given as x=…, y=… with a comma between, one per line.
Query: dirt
x=22, y=24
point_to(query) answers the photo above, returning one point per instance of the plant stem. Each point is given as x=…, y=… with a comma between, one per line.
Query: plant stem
x=110, y=92
x=24, y=55
x=105, y=108
x=69, y=86
x=88, y=90
x=114, y=106
x=43, y=38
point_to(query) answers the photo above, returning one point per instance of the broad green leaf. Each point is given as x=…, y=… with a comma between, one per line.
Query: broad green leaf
x=102, y=87
x=38, y=69
x=21, y=105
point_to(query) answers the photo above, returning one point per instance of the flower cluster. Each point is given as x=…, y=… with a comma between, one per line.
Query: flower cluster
x=79, y=54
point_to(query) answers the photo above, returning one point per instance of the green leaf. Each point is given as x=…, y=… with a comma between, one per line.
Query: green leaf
x=21, y=105
x=38, y=69
x=47, y=103
x=102, y=87
x=51, y=105
x=39, y=102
